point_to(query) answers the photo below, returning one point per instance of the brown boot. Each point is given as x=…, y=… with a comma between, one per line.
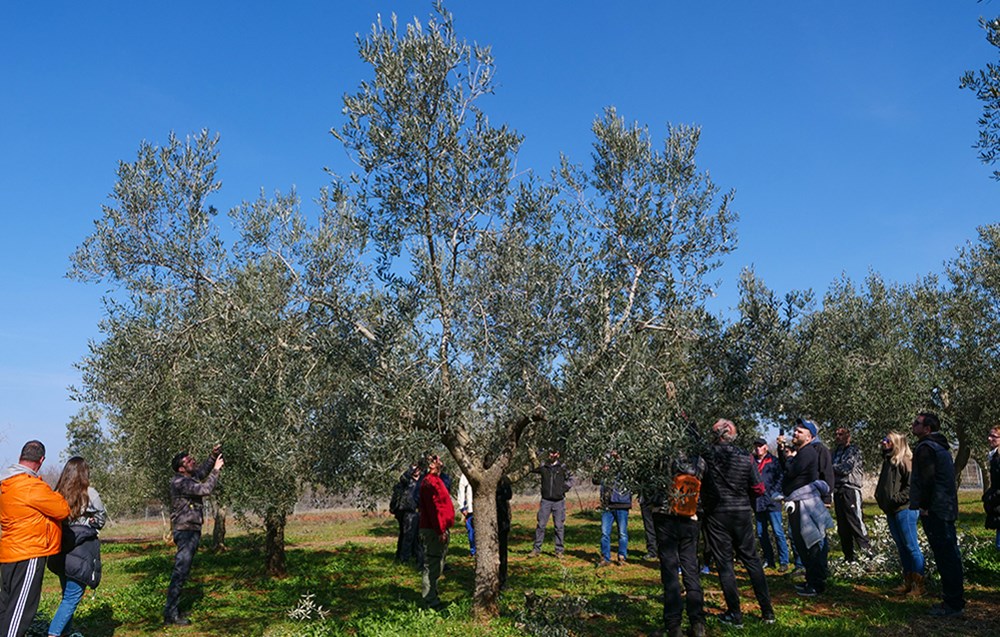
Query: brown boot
x=906, y=586
x=919, y=588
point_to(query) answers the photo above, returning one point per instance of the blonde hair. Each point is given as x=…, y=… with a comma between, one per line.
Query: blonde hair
x=902, y=455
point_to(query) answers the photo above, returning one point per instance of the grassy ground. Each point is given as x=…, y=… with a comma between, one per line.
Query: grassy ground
x=344, y=561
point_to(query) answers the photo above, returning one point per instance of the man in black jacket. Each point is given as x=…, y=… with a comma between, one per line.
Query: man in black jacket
x=934, y=492
x=810, y=464
x=556, y=481
x=731, y=479
x=190, y=484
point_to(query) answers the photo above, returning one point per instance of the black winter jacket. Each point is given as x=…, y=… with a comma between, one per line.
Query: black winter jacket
x=991, y=496
x=932, y=485
x=80, y=559
x=892, y=493
x=812, y=462
x=731, y=480
x=556, y=480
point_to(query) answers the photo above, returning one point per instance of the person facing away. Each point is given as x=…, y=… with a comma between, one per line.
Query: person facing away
x=767, y=508
x=991, y=492
x=615, y=504
x=848, y=473
x=556, y=482
x=466, y=509
x=30, y=532
x=78, y=565
x=892, y=493
x=731, y=480
x=403, y=505
x=437, y=515
x=188, y=488
x=934, y=493
x=675, y=521
x=807, y=490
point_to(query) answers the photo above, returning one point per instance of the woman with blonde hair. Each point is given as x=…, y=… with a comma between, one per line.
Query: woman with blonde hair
x=893, y=497
x=78, y=565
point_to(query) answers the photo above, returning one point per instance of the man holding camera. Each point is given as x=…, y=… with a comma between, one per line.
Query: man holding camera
x=190, y=484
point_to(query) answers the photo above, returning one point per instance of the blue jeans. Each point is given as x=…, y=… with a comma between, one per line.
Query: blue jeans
x=772, y=519
x=470, y=530
x=620, y=518
x=903, y=527
x=71, y=596
x=944, y=544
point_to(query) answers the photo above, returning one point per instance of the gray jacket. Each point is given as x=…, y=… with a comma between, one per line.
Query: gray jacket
x=847, y=467
x=186, y=493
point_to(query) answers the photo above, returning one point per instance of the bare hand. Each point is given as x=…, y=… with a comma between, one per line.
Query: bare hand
x=219, y=462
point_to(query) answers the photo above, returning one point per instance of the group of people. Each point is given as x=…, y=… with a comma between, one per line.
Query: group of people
x=59, y=528
x=40, y=526
x=737, y=502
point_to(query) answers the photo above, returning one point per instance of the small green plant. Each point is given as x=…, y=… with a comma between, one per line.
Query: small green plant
x=551, y=616
x=307, y=609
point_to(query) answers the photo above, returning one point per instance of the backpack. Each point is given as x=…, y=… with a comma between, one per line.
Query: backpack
x=682, y=498
x=621, y=497
x=398, y=492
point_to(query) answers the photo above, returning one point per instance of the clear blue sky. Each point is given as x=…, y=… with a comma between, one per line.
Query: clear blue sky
x=839, y=124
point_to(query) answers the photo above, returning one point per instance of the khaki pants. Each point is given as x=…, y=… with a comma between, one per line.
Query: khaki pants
x=434, y=554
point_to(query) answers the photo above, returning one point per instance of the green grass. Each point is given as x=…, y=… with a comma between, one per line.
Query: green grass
x=344, y=561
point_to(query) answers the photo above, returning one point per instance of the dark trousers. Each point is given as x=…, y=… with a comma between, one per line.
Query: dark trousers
x=408, y=543
x=850, y=525
x=733, y=533
x=22, y=588
x=814, y=558
x=557, y=509
x=187, y=543
x=677, y=546
x=648, y=527
x=944, y=544
x=503, y=535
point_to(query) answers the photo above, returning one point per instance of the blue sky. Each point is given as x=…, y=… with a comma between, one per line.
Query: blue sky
x=839, y=124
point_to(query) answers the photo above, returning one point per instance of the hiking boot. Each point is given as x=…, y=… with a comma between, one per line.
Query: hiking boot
x=620, y=561
x=697, y=630
x=783, y=568
x=906, y=586
x=919, y=588
x=650, y=557
x=603, y=563
x=806, y=591
x=731, y=619
x=559, y=555
x=534, y=553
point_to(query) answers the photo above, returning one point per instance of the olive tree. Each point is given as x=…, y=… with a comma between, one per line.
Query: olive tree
x=503, y=309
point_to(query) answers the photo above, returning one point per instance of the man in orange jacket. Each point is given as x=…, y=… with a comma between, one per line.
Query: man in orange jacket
x=30, y=513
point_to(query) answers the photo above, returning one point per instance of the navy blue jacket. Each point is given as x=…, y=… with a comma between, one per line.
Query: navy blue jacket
x=771, y=474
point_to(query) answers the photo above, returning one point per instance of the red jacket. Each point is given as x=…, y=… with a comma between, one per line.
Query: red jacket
x=436, y=510
x=30, y=513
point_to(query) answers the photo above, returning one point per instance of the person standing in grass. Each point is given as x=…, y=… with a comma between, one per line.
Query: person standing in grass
x=893, y=496
x=556, y=482
x=437, y=516
x=190, y=484
x=466, y=509
x=675, y=519
x=731, y=480
x=991, y=495
x=807, y=485
x=848, y=476
x=30, y=513
x=615, y=504
x=79, y=565
x=403, y=505
x=767, y=508
x=934, y=492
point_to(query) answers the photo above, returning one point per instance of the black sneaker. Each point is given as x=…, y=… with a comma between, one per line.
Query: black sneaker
x=731, y=619
x=807, y=591
x=768, y=618
x=944, y=610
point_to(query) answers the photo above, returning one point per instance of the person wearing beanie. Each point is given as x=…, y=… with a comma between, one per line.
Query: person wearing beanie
x=811, y=466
